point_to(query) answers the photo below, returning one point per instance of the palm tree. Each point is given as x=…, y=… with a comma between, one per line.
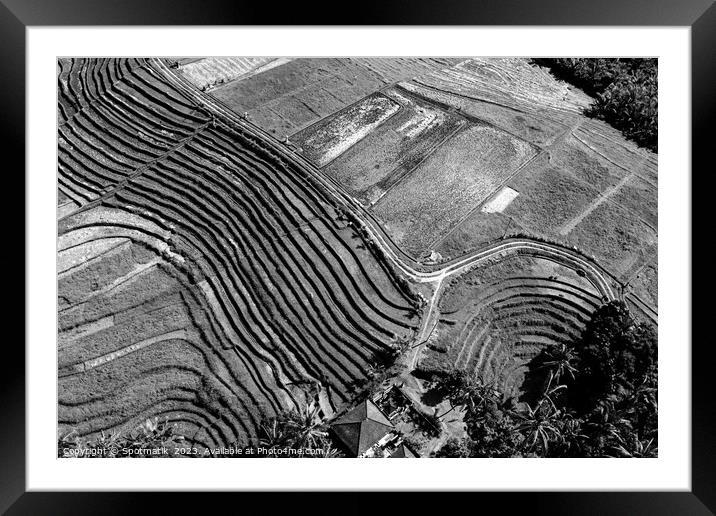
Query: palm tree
x=634, y=448
x=540, y=426
x=607, y=426
x=307, y=427
x=331, y=453
x=302, y=428
x=573, y=439
x=643, y=398
x=466, y=390
x=559, y=359
x=273, y=434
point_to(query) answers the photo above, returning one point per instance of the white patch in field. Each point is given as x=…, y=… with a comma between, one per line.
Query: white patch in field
x=214, y=72
x=501, y=201
x=423, y=119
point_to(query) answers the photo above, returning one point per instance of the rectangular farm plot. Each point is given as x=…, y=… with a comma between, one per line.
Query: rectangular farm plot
x=538, y=129
x=453, y=181
x=370, y=167
x=325, y=141
x=607, y=141
x=476, y=230
x=645, y=283
x=286, y=99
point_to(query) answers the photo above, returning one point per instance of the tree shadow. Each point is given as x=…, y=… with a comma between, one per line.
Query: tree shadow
x=536, y=379
x=432, y=397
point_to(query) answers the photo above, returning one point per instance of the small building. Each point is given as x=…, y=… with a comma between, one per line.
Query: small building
x=361, y=428
x=366, y=431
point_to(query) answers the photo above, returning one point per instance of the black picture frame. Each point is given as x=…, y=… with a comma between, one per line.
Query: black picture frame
x=17, y=15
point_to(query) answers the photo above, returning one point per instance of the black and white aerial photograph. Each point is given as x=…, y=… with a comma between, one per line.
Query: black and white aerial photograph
x=374, y=257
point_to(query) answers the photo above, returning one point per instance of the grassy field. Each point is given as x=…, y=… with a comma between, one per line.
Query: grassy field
x=588, y=186
x=587, y=166
x=621, y=242
x=549, y=197
x=536, y=128
x=215, y=71
x=510, y=83
x=475, y=231
x=645, y=283
x=640, y=197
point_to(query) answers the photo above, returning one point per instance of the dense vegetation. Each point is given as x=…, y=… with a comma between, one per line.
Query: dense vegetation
x=596, y=398
x=625, y=91
x=300, y=430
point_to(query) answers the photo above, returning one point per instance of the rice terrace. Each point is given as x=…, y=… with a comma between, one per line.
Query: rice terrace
x=357, y=257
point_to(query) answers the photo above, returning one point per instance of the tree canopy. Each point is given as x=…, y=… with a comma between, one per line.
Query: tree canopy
x=597, y=398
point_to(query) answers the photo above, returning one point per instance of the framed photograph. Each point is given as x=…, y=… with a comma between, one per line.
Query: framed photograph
x=429, y=235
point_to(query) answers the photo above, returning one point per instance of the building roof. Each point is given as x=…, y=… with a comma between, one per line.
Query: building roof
x=361, y=427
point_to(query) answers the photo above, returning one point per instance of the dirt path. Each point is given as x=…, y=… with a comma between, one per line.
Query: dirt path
x=571, y=224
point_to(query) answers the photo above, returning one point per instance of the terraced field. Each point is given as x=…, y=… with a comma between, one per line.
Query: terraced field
x=203, y=275
x=146, y=123
x=494, y=319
